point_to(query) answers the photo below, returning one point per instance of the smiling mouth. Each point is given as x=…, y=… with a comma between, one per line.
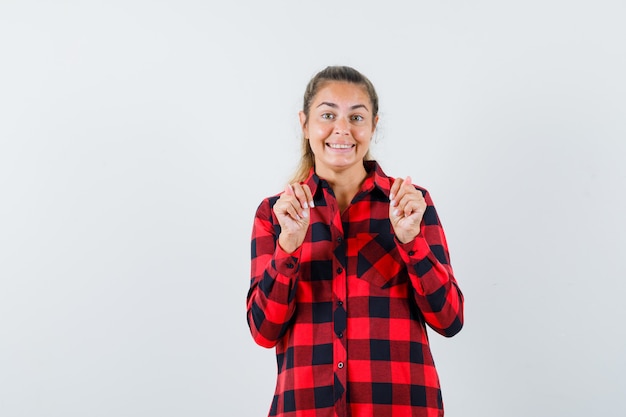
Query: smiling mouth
x=339, y=146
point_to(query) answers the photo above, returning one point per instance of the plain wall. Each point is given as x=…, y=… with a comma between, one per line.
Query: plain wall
x=138, y=137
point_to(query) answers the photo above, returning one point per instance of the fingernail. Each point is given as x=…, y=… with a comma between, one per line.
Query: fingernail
x=391, y=196
x=393, y=203
x=396, y=212
x=305, y=214
x=305, y=205
x=312, y=203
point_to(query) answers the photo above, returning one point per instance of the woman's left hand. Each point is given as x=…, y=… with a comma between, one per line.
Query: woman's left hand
x=406, y=209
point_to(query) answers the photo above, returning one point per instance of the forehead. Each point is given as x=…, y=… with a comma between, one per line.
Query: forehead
x=342, y=92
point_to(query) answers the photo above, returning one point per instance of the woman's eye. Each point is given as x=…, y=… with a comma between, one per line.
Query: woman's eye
x=357, y=118
x=327, y=116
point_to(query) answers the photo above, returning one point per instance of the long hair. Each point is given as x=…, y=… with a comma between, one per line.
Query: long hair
x=328, y=74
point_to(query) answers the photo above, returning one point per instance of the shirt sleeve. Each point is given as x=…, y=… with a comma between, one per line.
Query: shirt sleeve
x=271, y=299
x=436, y=291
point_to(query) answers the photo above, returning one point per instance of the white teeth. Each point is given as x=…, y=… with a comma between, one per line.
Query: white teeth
x=339, y=146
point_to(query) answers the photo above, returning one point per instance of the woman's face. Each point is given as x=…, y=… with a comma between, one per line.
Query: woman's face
x=339, y=127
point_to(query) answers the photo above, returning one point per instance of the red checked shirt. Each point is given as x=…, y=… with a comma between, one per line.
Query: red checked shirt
x=347, y=311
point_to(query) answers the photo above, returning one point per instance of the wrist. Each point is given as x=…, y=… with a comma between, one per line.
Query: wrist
x=288, y=244
x=404, y=239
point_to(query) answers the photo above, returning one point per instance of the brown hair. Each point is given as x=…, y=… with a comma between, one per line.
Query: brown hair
x=328, y=74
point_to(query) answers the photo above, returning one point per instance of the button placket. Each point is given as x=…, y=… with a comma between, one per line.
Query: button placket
x=338, y=247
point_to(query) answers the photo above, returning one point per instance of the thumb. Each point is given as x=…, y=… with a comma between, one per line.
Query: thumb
x=289, y=190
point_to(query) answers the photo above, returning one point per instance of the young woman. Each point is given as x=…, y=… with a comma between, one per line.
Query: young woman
x=349, y=265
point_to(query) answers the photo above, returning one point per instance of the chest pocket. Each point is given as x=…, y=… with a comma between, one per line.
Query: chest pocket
x=378, y=260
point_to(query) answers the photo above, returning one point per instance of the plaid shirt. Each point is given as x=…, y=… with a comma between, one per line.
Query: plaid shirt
x=347, y=311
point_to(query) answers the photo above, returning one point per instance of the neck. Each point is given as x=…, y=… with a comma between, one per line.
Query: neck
x=345, y=184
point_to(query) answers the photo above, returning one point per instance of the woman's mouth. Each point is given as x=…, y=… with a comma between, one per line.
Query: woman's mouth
x=340, y=145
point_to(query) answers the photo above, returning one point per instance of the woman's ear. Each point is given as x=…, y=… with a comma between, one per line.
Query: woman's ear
x=375, y=123
x=302, y=116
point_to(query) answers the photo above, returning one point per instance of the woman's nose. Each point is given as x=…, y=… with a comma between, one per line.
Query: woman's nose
x=341, y=126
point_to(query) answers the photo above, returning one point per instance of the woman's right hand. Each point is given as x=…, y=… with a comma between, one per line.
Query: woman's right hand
x=292, y=210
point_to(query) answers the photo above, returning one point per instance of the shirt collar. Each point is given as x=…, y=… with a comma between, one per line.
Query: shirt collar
x=375, y=178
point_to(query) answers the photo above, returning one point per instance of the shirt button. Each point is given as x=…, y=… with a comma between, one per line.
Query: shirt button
x=339, y=303
x=290, y=266
x=340, y=335
x=340, y=365
x=339, y=270
x=339, y=239
x=411, y=253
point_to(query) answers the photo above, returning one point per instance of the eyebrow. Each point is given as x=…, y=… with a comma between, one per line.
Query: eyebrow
x=333, y=105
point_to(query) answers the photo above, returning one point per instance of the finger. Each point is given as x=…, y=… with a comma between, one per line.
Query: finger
x=411, y=201
x=300, y=194
x=404, y=184
x=412, y=207
x=395, y=214
x=404, y=187
x=290, y=205
x=403, y=208
x=309, y=195
x=395, y=188
x=292, y=212
x=301, y=204
x=407, y=187
x=302, y=199
x=396, y=208
x=285, y=207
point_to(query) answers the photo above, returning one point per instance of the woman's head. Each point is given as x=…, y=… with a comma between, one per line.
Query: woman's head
x=338, y=73
x=331, y=74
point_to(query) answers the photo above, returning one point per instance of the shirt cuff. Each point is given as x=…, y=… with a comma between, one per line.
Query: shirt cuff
x=287, y=264
x=413, y=251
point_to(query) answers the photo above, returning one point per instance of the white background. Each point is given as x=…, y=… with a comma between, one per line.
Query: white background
x=138, y=137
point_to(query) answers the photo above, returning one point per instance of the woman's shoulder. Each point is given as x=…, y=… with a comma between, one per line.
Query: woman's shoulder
x=267, y=204
x=380, y=173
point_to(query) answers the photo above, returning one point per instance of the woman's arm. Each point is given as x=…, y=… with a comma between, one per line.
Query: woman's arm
x=271, y=299
x=436, y=291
